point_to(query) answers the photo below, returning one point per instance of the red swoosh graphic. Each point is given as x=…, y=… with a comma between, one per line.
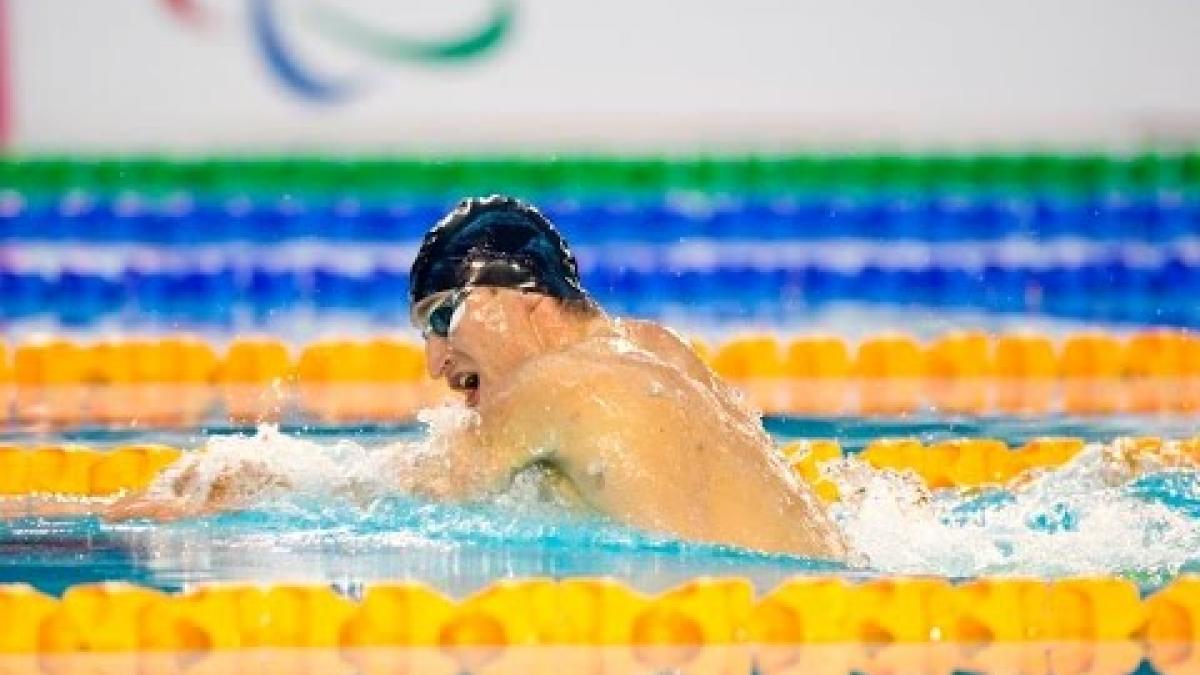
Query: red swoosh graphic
x=187, y=11
x=5, y=78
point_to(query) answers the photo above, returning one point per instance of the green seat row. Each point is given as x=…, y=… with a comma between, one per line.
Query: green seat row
x=1069, y=174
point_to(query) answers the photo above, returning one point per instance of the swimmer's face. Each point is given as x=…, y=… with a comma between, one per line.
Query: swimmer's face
x=490, y=336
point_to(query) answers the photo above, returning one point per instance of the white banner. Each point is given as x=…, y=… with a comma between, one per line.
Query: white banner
x=471, y=75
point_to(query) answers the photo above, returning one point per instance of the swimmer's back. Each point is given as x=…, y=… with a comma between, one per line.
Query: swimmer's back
x=651, y=445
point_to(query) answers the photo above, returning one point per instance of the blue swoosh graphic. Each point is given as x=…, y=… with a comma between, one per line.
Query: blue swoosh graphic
x=284, y=64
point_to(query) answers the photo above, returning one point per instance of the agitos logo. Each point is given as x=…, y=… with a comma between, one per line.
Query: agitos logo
x=341, y=29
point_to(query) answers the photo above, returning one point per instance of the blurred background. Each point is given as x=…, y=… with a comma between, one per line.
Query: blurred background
x=221, y=168
x=232, y=163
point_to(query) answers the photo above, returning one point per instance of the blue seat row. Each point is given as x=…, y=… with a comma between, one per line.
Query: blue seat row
x=1109, y=290
x=184, y=223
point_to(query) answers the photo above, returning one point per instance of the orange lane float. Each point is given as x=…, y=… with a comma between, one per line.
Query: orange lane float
x=967, y=463
x=340, y=380
x=1163, y=368
x=1026, y=368
x=816, y=369
x=1090, y=367
x=81, y=472
x=890, y=369
x=50, y=382
x=757, y=363
x=152, y=382
x=171, y=381
x=254, y=376
x=6, y=384
x=708, y=625
x=957, y=367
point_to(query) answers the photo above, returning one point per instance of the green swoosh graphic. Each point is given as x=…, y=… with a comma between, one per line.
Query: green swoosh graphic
x=350, y=32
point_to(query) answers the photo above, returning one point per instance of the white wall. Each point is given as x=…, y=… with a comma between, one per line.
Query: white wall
x=126, y=74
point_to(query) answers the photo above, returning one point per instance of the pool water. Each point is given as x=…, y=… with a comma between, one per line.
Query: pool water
x=312, y=250
x=1074, y=520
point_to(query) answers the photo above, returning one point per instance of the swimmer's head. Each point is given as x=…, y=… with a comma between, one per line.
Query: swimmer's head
x=495, y=241
x=492, y=286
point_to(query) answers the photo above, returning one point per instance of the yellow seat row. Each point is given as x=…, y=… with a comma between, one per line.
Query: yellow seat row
x=958, y=463
x=1077, y=625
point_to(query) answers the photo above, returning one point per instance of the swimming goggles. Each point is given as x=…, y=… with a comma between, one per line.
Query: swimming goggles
x=435, y=314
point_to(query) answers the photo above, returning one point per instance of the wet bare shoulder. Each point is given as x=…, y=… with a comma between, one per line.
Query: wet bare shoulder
x=658, y=338
x=593, y=385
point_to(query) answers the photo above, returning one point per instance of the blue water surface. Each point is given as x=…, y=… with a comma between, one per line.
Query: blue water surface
x=459, y=549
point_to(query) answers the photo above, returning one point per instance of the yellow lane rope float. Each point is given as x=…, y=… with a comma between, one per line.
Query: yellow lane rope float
x=807, y=624
x=181, y=381
x=966, y=463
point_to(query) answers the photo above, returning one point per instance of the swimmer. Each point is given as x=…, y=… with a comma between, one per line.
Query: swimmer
x=622, y=411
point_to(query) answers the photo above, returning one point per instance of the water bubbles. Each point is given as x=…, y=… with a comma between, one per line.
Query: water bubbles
x=1079, y=519
x=1086, y=517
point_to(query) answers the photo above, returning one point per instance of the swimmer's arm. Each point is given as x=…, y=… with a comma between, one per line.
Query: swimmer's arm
x=130, y=506
x=176, y=494
x=519, y=427
x=470, y=464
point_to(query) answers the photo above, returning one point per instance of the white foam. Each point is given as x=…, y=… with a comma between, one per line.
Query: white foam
x=1088, y=521
x=270, y=464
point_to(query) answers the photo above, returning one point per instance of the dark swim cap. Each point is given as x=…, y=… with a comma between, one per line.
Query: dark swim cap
x=494, y=241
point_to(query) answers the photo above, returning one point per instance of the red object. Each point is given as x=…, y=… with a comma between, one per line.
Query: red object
x=186, y=10
x=5, y=78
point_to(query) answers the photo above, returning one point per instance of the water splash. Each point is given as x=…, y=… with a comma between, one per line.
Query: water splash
x=349, y=487
x=1087, y=517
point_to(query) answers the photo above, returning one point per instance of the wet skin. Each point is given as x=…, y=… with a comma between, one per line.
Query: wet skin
x=627, y=413
x=637, y=427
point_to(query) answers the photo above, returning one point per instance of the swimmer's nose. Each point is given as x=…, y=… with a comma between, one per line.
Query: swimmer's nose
x=436, y=351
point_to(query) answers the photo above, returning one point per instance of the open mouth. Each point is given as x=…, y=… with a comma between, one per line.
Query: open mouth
x=467, y=383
